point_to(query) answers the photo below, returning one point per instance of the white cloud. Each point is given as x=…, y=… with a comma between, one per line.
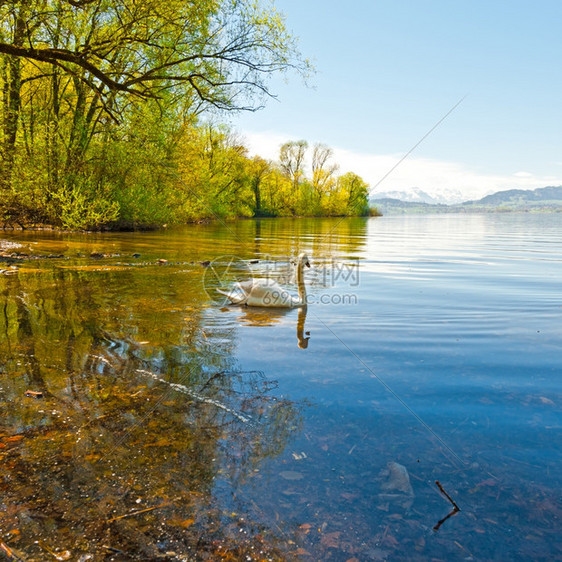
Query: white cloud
x=450, y=180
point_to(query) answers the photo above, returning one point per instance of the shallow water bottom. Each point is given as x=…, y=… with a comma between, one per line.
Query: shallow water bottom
x=162, y=424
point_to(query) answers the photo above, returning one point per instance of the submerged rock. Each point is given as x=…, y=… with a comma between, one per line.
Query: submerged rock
x=396, y=488
x=397, y=479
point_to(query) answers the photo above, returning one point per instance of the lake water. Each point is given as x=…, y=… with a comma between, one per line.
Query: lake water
x=172, y=427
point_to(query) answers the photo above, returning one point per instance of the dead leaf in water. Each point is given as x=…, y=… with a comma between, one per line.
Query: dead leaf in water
x=331, y=540
x=390, y=540
x=488, y=482
x=291, y=475
x=183, y=523
x=93, y=457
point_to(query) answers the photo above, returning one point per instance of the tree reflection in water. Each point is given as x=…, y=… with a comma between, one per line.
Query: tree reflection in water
x=146, y=428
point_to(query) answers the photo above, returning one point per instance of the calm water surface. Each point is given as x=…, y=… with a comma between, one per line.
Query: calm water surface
x=173, y=427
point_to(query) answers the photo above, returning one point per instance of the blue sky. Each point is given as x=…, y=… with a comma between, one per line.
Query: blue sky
x=388, y=71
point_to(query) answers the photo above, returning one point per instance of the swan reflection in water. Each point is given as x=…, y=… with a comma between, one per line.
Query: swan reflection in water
x=255, y=316
x=303, y=341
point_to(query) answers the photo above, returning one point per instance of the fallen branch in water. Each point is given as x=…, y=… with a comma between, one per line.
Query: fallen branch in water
x=197, y=396
x=114, y=550
x=8, y=552
x=62, y=556
x=138, y=512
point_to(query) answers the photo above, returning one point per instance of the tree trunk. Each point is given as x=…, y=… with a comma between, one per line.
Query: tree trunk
x=12, y=103
x=257, y=195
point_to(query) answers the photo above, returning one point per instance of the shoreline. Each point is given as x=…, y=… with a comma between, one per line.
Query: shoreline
x=50, y=228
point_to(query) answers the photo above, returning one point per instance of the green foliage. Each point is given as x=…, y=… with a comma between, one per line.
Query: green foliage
x=322, y=194
x=101, y=121
x=78, y=207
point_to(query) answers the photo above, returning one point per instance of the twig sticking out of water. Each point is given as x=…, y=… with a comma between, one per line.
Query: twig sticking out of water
x=455, y=510
x=447, y=495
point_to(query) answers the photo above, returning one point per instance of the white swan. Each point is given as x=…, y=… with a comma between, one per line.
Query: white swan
x=267, y=292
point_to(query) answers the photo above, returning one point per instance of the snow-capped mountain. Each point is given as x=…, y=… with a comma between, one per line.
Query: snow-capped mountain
x=414, y=195
x=417, y=195
x=544, y=199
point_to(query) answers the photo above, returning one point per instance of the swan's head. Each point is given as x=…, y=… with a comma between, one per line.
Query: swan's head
x=303, y=260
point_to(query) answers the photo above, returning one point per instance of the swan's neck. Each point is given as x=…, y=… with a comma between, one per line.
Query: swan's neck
x=300, y=282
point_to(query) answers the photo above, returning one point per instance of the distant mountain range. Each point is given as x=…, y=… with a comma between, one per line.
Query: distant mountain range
x=545, y=199
x=416, y=195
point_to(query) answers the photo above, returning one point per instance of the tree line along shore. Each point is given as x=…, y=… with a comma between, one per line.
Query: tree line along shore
x=112, y=116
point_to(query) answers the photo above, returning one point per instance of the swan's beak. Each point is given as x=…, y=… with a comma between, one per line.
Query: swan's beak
x=307, y=264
